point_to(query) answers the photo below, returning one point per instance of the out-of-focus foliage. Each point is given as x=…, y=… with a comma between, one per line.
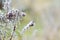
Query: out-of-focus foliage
x=46, y=15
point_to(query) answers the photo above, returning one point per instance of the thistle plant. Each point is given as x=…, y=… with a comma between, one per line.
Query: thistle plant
x=9, y=18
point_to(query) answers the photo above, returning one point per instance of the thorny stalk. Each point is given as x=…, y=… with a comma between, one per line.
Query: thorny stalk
x=13, y=32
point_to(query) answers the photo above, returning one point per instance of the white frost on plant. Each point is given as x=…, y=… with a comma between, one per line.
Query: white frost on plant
x=7, y=5
x=31, y=23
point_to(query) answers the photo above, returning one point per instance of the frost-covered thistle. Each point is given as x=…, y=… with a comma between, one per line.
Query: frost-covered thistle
x=7, y=5
x=12, y=16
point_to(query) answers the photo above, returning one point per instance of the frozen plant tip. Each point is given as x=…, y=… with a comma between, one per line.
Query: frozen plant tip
x=30, y=24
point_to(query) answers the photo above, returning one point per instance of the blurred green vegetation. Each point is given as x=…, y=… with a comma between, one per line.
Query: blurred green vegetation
x=30, y=16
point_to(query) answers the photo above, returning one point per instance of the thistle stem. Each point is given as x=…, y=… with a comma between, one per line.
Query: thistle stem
x=13, y=32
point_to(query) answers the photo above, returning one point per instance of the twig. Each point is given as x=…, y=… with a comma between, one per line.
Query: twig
x=13, y=32
x=31, y=23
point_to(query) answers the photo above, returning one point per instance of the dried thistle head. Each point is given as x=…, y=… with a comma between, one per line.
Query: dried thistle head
x=20, y=13
x=15, y=14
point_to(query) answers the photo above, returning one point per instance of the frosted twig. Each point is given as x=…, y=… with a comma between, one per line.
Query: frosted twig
x=31, y=23
x=13, y=32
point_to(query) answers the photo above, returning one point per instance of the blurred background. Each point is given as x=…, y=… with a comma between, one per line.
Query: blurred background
x=46, y=15
x=32, y=9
